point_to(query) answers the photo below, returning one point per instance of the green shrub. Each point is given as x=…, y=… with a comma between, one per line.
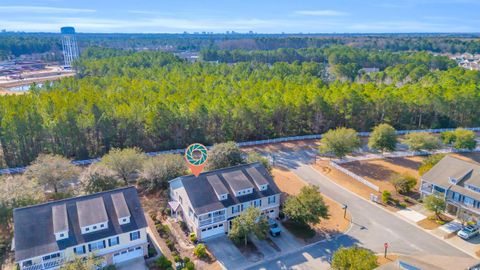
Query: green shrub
x=109, y=267
x=386, y=196
x=177, y=258
x=163, y=263
x=189, y=266
x=403, y=205
x=200, y=251
x=170, y=244
x=186, y=259
x=193, y=237
x=151, y=252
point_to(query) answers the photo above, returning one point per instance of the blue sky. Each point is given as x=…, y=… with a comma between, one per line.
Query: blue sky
x=262, y=16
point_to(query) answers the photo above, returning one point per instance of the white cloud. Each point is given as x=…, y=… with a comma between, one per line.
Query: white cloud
x=43, y=10
x=320, y=13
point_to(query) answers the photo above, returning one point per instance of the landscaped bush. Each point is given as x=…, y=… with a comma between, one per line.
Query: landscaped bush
x=170, y=244
x=402, y=205
x=151, y=251
x=386, y=196
x=193, y=237
x=109, y=267
x=200, y=251
x=189, y=266
x=177, y=258
x=163, y=263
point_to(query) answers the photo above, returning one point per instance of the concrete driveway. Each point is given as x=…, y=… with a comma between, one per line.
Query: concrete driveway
x=285, y=242
x=226, y=252
x=137, y=264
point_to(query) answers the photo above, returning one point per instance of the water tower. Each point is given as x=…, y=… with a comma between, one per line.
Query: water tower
x=69, y=44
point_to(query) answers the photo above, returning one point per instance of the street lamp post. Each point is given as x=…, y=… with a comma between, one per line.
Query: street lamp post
x=345, y=210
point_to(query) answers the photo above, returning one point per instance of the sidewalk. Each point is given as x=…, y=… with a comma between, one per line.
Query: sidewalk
x=446, y=232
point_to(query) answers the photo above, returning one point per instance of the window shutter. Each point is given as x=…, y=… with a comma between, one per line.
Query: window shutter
x=89, y=247
x=83, y=248
x=109, y=243
x=118, y=240
x=104, y=244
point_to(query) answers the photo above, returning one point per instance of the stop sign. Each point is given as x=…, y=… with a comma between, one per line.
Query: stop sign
x=385, y=245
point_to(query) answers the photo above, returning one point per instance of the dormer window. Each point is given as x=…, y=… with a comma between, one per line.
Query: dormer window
x=92, y=215
x=60, y=221
x=453, y=180
x=222, y=197
x=263, y=187
x=121, y=208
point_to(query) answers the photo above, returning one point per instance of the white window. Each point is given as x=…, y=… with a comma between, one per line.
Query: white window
x=51, y=256
x=114, y=241
x=271, y=199
x=96, y=246
x=134, y=235
x=79, y=250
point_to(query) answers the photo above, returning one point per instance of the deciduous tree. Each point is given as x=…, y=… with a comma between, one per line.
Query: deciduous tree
x=354, y=258
x=383, y=137
x=339, y=142
x=98, y=178
x=124, y=162
x=249, y=221
x=307, y=207
x=429, y=162
x=157, y=171
x=435, y=204
x=224, y=155
x=421, y=141
x=403, y=183
x=52, y=171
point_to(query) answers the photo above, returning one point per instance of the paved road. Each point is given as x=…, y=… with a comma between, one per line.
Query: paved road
x=371, y=225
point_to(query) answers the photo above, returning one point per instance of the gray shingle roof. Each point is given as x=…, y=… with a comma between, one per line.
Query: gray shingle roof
x=33, y=229
x=91, y=211
x=217, y=184
x=257, y=176
x=202, y=195
x=60, y=218
x=450, y=167
x=465, y=172
x=120, y=205
x=237, y=180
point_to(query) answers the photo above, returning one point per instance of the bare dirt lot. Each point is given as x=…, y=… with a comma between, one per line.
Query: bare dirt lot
x=380, y=171
x=291, y=184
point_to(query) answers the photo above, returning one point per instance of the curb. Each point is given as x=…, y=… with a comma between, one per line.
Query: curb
x=397, y=215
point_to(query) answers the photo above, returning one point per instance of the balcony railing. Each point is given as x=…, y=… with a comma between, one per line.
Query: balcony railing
x=211, y=220
x=45, y=265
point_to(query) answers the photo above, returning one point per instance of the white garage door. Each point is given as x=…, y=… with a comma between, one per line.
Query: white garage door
x=126, y=255
x=213, y=230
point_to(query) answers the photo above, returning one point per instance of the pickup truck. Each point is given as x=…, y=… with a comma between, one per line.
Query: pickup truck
x=273, y=228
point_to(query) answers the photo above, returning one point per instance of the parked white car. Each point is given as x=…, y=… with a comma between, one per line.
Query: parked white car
x=468, y=232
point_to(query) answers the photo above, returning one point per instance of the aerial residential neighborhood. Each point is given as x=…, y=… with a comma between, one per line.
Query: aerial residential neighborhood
x=239, y=135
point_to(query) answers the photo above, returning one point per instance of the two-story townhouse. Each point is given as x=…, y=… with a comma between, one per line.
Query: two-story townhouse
x=458, y=181
x=109, y=224
x=209, y=202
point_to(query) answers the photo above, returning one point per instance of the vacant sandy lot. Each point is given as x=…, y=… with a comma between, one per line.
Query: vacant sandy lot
x=380, y=171
x=291, y=184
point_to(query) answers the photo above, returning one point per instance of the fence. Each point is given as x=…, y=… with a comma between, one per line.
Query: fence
x=354, y=176
x=243, y=144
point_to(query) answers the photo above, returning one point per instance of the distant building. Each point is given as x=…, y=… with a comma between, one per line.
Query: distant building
x=69, y=45
x=110, y=224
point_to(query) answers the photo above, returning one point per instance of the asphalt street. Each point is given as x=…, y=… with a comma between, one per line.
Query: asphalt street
x=371, y=225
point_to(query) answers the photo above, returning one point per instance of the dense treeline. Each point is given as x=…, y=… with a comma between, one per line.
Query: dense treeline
x=156, y=101
x=15, y=44
x=346, y=62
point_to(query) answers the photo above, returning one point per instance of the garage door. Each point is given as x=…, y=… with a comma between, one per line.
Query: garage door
x=126, y=255
x=211, y=231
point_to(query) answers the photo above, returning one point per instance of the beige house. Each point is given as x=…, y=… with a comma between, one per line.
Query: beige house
x=458, y=181
x=108, y=224
x=208, y=203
